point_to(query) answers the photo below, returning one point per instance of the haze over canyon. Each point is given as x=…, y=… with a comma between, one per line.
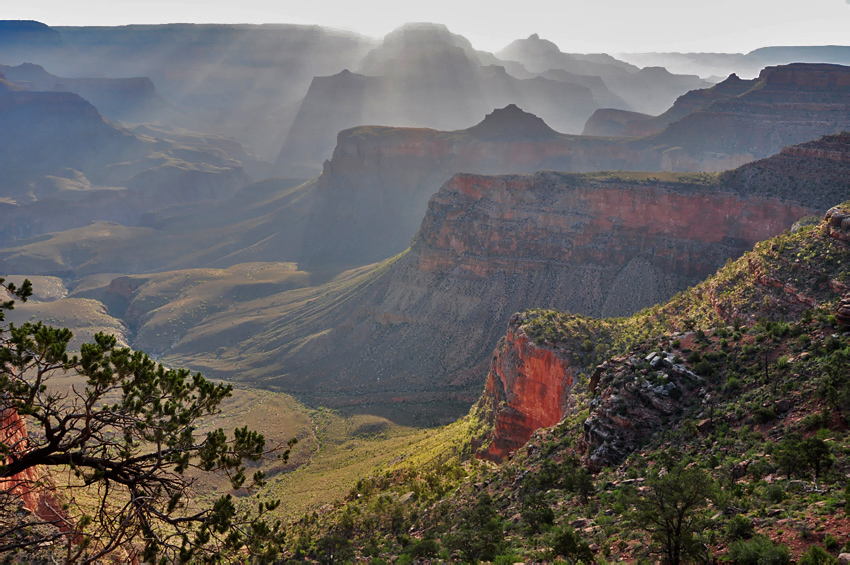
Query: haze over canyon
x=411, y=255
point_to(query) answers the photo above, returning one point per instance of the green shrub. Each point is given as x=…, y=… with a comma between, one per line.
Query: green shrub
x=774, y=493
x=759, y=551
x=426, y=548
x=764, y=414
x=567, y=544
x=816, y=555
x=830, y=543
x=739, y=527
x=704, y=368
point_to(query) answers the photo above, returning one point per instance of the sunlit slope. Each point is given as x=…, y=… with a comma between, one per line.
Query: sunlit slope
x=161, y=308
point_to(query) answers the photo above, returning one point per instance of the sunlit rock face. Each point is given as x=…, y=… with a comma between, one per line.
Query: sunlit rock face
x=28, y=486
x=528, y=388
x=480, y=225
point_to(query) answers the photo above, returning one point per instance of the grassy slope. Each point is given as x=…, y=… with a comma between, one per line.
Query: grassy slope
x=291, y=317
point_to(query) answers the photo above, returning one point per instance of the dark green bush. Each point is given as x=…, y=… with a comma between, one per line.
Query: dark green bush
x=774, y=493
x=764, y=414
x=739, y=527
x=566, y=543
x=759, y=551
x=816, y=555
x=704, y=368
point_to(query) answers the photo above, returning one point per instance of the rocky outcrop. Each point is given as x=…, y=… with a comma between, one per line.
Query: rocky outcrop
x=628, y=408
x=838, y=222
x=842, y=312
x=528, y=388
x=633, y=396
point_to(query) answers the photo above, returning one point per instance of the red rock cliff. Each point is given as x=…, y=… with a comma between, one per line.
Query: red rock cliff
x=480, y=225
x=33, y=491
x=528, y=388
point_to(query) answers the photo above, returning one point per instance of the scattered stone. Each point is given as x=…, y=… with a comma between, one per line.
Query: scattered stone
x=704, y=426
x=842, y=313
x=740, y=469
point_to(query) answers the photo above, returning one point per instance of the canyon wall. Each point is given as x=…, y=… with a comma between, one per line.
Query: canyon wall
x=423, y=325
x=374, y=190
x=528, y=388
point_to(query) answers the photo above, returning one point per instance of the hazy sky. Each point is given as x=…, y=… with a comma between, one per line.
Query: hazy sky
x=576, y=26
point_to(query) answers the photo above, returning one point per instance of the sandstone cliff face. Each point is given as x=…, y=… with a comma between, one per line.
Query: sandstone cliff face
x=28, y=486
x=528, y=388
x=480, y=225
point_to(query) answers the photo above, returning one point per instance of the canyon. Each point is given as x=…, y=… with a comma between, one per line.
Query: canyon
x=423, y=323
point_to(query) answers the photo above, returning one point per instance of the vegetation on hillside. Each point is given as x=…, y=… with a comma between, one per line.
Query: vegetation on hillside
x=750, y=467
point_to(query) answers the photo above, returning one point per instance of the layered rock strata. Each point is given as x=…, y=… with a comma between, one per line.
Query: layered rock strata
x=373, y=191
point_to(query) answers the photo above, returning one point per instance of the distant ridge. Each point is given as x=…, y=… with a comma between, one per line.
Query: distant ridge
x=18, y=31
